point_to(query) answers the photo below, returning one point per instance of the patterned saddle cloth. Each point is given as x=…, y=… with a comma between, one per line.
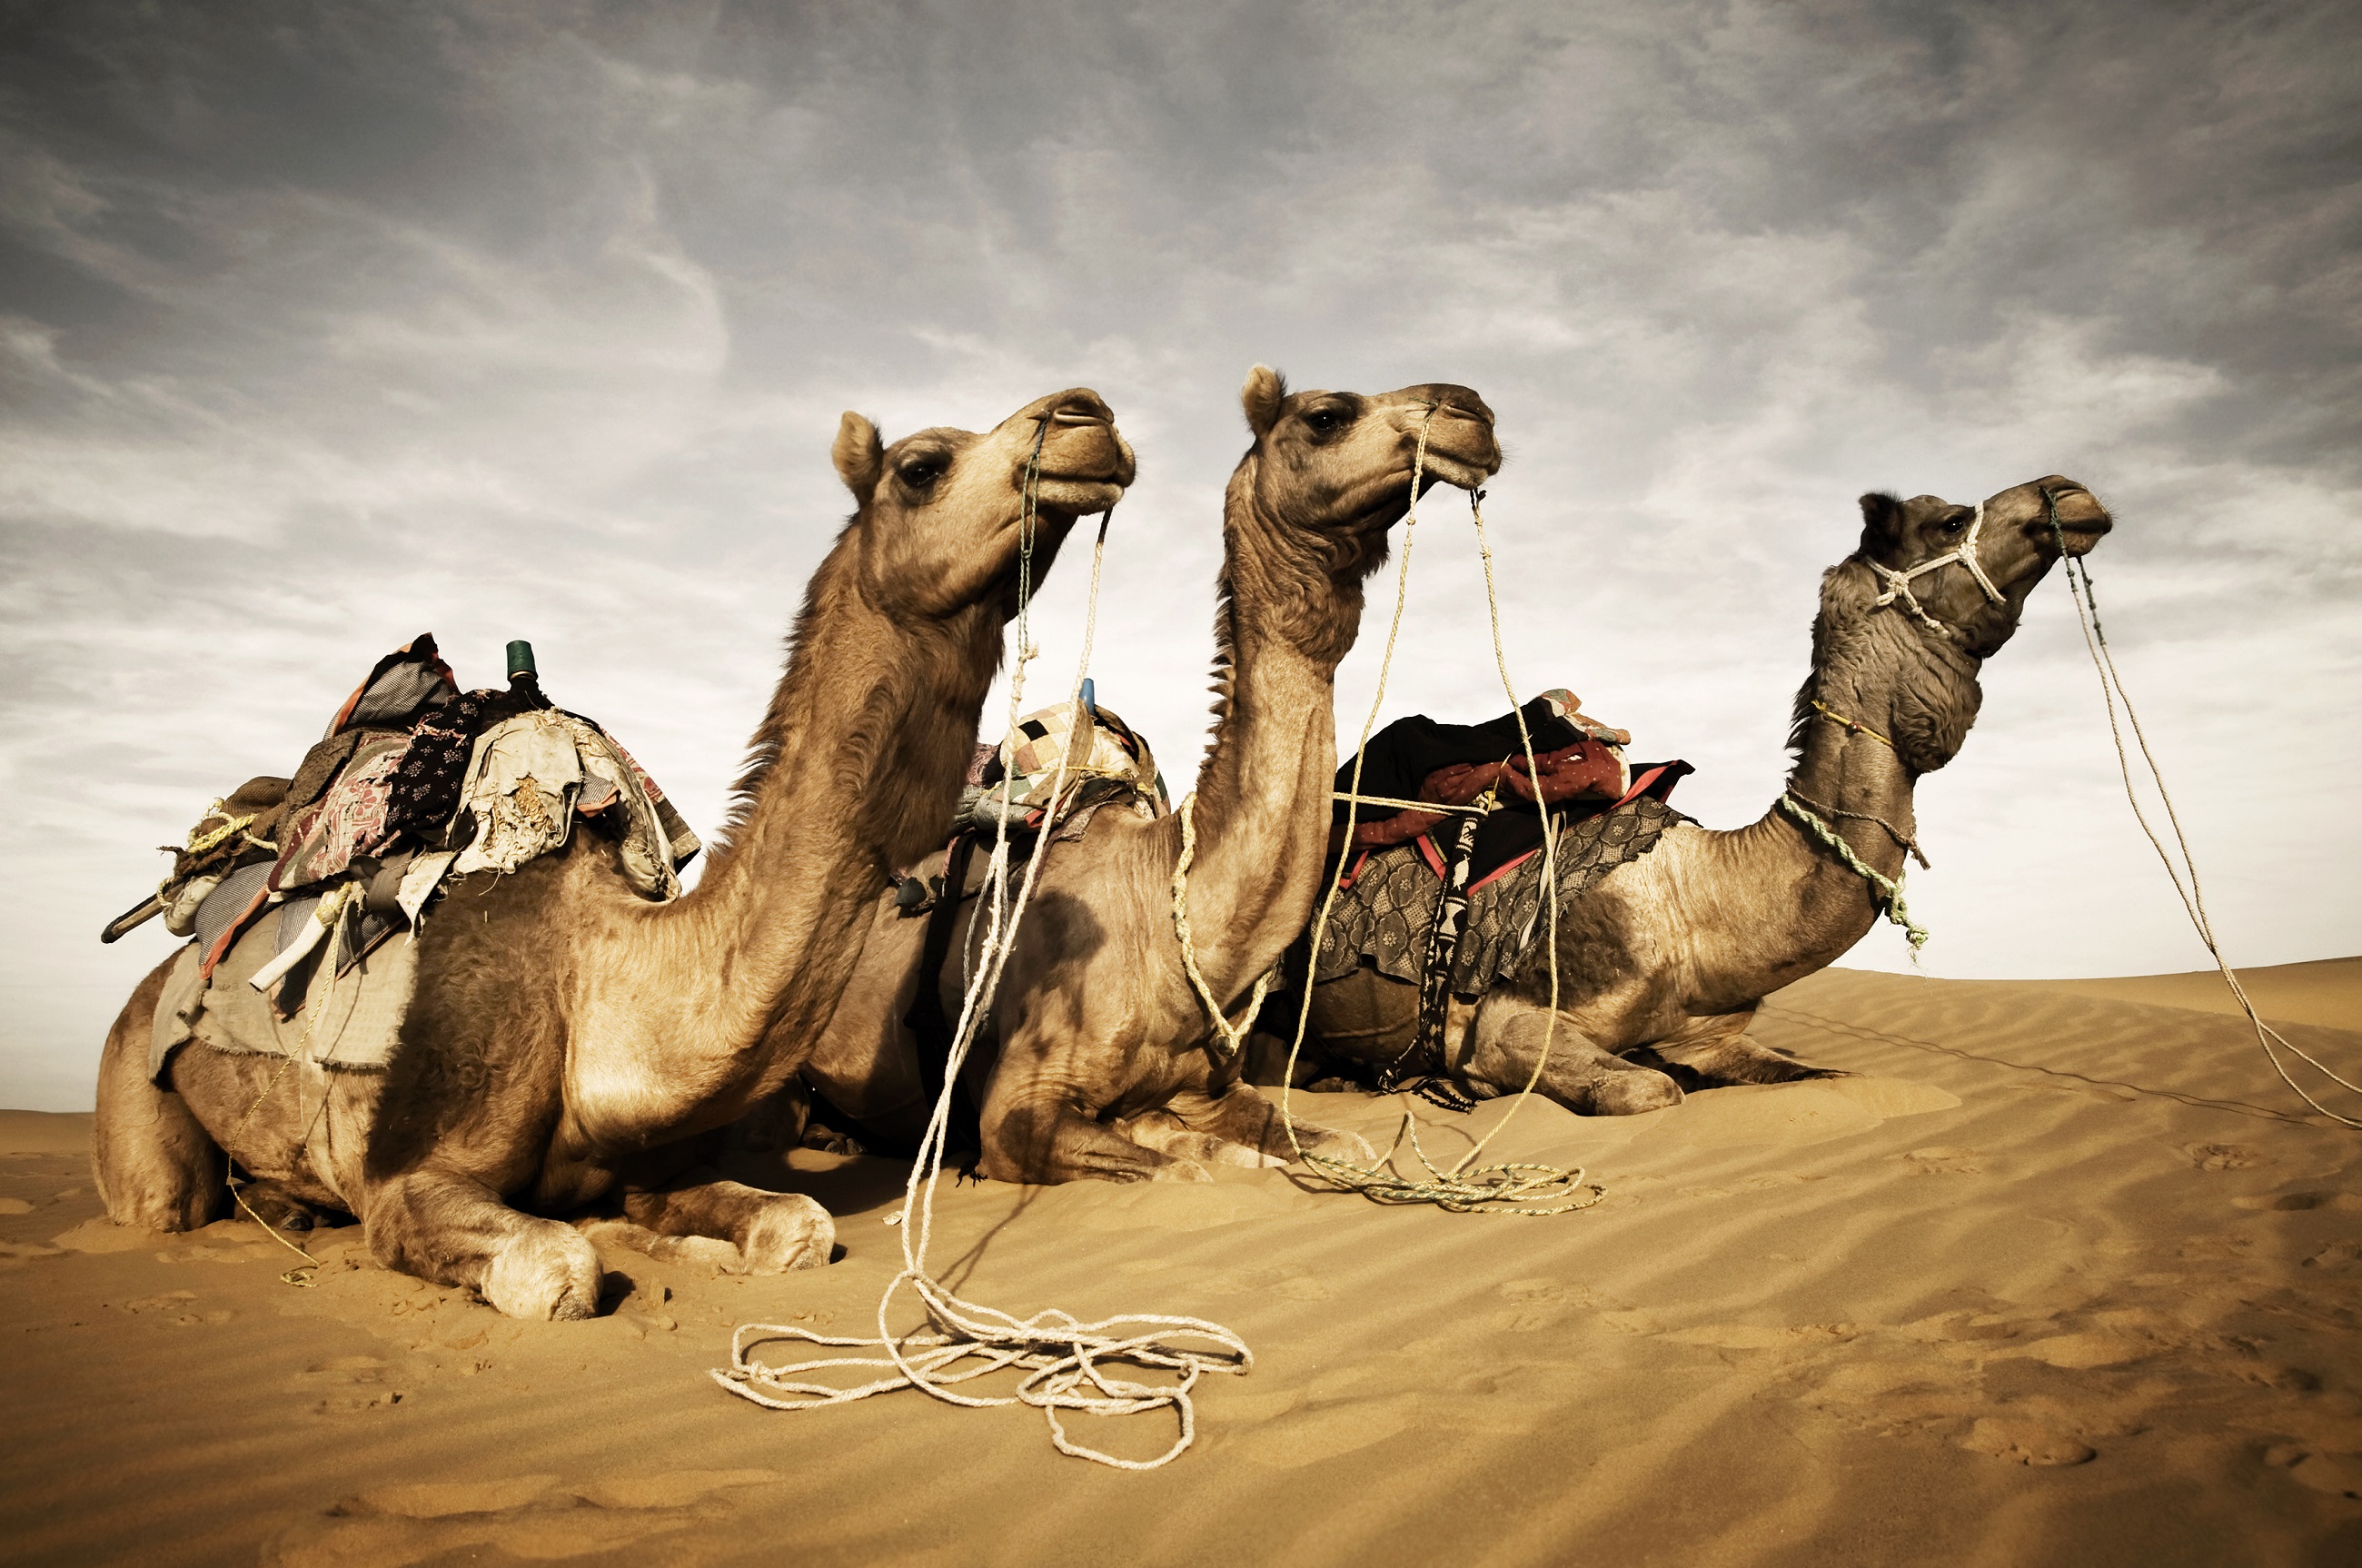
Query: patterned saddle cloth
x=1386, y=908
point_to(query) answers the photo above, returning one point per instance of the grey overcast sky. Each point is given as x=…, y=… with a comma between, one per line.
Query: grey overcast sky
x=325, y=324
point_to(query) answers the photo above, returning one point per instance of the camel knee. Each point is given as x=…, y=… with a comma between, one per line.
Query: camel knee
x=546, y=1272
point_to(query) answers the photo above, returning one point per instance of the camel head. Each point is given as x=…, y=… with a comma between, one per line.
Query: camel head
x=1336, y=465
x=939, y=513
x=1935, y=589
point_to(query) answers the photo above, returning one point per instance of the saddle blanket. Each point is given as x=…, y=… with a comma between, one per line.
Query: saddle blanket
x=1383, y=913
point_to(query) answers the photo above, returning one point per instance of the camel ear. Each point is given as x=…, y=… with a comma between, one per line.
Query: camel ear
x=1882, y=519
x=860, y=456
x=1264, y=390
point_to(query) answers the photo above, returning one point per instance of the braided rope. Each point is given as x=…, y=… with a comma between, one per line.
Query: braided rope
x=1063, y=1358
x=1888, y=888
x=2193, y=900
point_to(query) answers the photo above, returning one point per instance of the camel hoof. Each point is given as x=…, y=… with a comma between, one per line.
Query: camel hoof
x=792, y=1231
x=1180, y=1170
x=1335, y=1143
x=548, y=1273
x=1634, y=1092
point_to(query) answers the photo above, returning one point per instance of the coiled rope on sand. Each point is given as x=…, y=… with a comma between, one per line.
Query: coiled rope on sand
x=1067, y=1362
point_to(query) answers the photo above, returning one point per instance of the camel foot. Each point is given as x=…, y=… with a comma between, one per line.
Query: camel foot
x=546, y=1271
x=1334, y=1144
x=790, y=1231
x=1180, y=1170
x=272, y=1203
x=1632, y=1092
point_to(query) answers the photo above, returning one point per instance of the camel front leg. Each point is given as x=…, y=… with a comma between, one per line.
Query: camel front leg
x=153, y=1163
x=771, y=1232
x=1236, y=1125
x=1047, y=1142
x=1507, y=1040
x=455, y=1229
x=1718, y=1050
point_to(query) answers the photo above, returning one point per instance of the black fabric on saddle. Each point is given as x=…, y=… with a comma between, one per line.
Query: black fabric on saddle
x=1400, y=756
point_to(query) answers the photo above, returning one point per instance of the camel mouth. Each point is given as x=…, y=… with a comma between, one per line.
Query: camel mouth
x=1459, y=472
x=1079, y=493
x=2083, y=520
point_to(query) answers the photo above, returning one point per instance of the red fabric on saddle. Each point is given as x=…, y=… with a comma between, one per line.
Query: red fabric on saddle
x=1588, y=770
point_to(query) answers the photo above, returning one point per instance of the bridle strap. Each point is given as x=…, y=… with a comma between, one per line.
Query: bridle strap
x=1898, y=581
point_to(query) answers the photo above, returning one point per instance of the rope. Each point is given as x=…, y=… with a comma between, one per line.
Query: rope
x=1889, y=888
x=1407, y=805
x=1903, y=839
x=1501, y=1188
x=1232, y=1037
x=1064, y=1359
x=1854, y=725
x=2193, y=900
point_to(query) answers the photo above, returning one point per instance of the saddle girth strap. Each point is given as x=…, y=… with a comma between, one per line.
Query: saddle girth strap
x=1426, y=1057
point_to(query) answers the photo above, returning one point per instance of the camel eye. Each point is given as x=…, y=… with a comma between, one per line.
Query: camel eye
x=1324, y=420
x=1954, y=525
x=920, y=472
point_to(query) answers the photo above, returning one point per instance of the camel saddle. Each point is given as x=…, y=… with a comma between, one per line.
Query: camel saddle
x=285, y=881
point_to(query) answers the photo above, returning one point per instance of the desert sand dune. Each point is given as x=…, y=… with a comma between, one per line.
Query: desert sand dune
x=2060, y=1278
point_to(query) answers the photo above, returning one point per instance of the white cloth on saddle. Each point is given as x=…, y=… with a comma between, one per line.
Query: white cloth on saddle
x=526, y=779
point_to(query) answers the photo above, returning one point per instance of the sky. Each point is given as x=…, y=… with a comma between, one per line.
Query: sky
x=322, y=325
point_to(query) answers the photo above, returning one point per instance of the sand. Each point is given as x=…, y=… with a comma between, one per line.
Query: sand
x=2058, y=1279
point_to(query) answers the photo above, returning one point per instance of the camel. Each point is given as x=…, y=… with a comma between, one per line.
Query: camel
x=1664, y=960
x=1104, y=1065
x=568, y=1040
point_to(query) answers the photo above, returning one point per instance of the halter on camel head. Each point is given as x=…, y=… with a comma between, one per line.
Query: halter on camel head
x=1898, y=580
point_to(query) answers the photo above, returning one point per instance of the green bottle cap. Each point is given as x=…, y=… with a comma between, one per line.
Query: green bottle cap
x=521, y=660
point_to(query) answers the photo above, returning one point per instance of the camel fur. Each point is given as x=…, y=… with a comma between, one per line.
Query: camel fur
x=1103, y=1065
x=568, y=1040
x=1664, y=961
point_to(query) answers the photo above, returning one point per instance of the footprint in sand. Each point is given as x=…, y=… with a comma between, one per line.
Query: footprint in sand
x=530, y=1516
x=2226, y=1157
x=1290, y=1283
x=1945, y=1161
x=349, y=1384
x=15, y=1206
x=2024, y=1442
x=2297, y=1202
x=2339, y=1257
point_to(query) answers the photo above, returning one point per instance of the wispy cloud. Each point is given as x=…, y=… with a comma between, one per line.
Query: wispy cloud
x=322, y=325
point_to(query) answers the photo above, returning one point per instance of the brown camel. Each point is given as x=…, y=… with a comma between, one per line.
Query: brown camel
x=1666, y=958
x=567, y=1038
x=1104, y=1068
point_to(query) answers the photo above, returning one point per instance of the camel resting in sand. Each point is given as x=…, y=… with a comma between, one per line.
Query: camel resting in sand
x=1664, y=961
x=1107, y=1063
x=566, y=1039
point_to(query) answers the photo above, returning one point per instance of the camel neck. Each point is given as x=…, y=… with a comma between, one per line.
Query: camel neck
x=1290, y=614
x=857, y=771
x=1850, y=775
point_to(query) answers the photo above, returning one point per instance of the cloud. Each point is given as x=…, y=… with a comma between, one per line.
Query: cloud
x=320, y=326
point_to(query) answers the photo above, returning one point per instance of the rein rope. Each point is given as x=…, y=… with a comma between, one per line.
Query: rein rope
x=2193, y=900
x=1066, y=1361
x=1507, y=1187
